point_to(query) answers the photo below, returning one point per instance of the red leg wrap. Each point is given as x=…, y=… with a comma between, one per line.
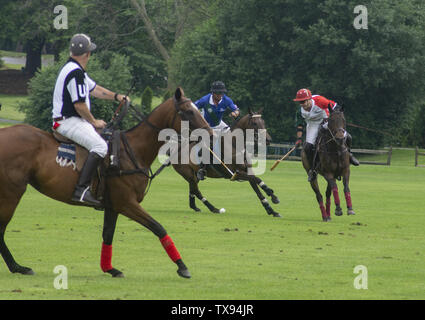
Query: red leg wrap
x=106, y=257
x=328, y=207
x=322, y=209
x=336, y=196
x=348, y=200
x=170, y=248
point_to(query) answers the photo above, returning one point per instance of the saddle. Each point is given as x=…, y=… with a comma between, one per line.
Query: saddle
x=71, y=154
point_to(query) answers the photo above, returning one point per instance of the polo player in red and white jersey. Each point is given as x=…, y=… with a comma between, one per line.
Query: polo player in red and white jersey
x=315, y=109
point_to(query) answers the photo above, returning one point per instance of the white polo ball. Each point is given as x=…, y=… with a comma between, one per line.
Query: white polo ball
x=222, y=210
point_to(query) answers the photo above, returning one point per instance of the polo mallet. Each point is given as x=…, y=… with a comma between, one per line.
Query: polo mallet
x=283, y=158
x=123, y=101
x=222, y=163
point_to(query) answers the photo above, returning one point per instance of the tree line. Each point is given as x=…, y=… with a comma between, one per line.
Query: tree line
x=264, y=50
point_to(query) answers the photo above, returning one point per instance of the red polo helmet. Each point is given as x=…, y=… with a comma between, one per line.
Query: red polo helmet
x=303, y=94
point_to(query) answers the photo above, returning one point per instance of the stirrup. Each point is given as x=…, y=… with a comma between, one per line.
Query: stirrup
x=354, y=161
x=85, y=196
x=201, y=174
x=312, y=175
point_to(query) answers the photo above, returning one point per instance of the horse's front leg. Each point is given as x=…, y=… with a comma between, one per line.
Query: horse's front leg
x=315, y=186
x=134, y=211
x=266, y=189
x=345, y=181
x=334, y=187
x=263, y=200
x=328, y=201
x=195, y=192
x=109, y=224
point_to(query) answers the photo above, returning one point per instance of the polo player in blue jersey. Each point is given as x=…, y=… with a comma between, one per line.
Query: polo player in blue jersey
x=213, y=106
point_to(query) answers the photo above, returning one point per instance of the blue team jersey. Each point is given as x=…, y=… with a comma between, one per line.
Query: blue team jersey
x=214, y=114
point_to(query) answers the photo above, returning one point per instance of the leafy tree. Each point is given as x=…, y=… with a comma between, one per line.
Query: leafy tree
x=265, y=50
x=31, y=23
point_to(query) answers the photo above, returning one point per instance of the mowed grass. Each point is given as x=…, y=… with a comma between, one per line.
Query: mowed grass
x=242, y=254
x=9, y=109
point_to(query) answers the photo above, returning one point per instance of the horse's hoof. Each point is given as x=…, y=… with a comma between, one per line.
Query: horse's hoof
x=196, y=209
x=338, y=212
x=24, y=270
x=115, y=273
x=184, y=273
x=350, y=212
x=275, y=200
x=276, y=215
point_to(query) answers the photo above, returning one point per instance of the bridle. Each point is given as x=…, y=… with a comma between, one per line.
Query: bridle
x=178, y=111
x=335, y=139
x=182, y=113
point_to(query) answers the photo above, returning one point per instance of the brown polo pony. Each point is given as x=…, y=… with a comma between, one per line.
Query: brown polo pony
x=252, y=120
x=334, y=163
x=27, y=156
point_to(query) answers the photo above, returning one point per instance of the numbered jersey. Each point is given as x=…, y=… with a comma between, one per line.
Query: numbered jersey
x=72, y=85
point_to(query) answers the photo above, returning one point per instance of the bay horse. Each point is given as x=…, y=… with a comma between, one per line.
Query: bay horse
x=252, y=120
x=333, y=163
x=27, y=156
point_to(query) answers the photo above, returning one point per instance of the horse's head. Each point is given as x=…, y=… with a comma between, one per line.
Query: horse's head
x=187, y=111
x=254, y=120
x=336, y=125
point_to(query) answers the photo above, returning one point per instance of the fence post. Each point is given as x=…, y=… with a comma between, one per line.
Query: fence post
x=416, y=156
x=390, y=153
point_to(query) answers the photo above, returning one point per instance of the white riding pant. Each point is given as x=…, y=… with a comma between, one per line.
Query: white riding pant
x=312, y=131
x=83, y=133
x=219, y=131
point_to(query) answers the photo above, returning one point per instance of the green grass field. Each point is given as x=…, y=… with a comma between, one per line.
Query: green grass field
x=242, y=254
x=9, y=107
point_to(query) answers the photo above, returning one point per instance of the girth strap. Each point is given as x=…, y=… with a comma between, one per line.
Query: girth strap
x=133, y=159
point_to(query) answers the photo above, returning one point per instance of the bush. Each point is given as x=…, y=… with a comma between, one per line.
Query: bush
x=116, y=77
x=167, y=95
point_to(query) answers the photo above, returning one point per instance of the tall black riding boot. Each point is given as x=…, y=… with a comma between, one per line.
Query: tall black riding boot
x=309, y=152
x=348, y=141
x=82, y=190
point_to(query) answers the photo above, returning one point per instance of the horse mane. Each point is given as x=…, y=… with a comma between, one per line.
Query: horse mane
x=146, y=117
x=238, y=119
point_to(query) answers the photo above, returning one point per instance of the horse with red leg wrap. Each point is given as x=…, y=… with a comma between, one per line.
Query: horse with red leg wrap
x=28, y=156
x=333, y=163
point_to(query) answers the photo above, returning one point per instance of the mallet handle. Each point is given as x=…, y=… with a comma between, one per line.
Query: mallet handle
x=222, y=163
x=283, y=158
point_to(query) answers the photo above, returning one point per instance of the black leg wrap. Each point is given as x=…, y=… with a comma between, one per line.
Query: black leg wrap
x=192, y=203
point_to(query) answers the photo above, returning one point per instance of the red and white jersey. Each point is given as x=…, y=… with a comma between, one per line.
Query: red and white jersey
x=319, y=109
x=323, y=103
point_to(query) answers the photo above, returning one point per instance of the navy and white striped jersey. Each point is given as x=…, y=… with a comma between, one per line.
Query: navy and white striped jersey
x=72, y=85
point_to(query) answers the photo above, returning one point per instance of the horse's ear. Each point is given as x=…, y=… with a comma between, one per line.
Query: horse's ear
x=330, y=108
x=179, y=93
x=261, y=111
x=250, y=111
